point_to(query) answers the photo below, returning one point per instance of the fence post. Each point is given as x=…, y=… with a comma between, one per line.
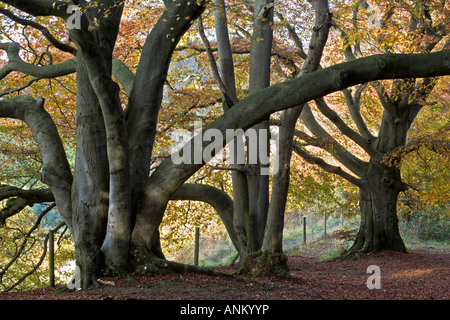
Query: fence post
x=51, y=258
x=304, y=230
x=197, y=244
x=325, y=223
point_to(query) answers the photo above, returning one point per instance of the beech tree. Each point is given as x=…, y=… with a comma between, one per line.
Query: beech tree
x=379, y=182
x=111, y=201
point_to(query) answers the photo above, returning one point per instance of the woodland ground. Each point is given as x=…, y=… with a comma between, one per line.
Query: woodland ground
x=421, y=274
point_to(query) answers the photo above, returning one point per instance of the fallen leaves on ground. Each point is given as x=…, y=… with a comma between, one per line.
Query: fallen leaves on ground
x=418, y=276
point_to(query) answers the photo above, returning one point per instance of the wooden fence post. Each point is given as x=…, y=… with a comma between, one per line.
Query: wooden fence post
x=197, y=244
x=51, y=258
x=304, y=230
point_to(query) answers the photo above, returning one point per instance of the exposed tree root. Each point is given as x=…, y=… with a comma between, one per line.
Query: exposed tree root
x=261, y=264
x=144, y=262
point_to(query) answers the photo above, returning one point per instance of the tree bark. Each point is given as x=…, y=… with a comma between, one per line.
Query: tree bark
x=90, y=190
x=258, y=182
x=273, y=234
x=378, y=203
x=379, y=194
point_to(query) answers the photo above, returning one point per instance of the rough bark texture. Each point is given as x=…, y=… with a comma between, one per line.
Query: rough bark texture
x=378, y=196
x=378, y=203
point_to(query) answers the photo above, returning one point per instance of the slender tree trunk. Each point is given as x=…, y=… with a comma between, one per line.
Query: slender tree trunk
x=273, y=236
x=257, y=181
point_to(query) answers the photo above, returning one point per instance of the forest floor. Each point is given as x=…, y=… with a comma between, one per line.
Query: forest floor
x=421, y=274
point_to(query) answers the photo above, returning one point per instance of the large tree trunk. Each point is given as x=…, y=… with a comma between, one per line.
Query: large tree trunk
x=90, y=191
x=378, y=198
x=378, y=203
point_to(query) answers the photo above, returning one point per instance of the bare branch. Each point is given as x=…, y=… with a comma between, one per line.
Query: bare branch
x=19, y=198
x=293, y=35
x=22, y=247
x=353, y=104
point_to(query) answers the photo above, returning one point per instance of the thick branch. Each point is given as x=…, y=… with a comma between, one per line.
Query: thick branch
x=56, y=171
x=332, y=146
x=123, y=75
x=168, y=177
x=15, y=63
x=38, y=8
x=217, y=198
x=327, y=167
x=34, y=195
x=311, y=86
x=366, y=144
x=146, y=95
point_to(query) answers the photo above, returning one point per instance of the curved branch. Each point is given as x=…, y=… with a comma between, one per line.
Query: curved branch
x=56, y=171
x=218, y=199
x=15, y=63
x=169, y=176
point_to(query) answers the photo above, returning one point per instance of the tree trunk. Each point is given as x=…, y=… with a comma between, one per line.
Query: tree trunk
x=273, y=235
x=257, y=181
x=378, y=203
x=90, y=191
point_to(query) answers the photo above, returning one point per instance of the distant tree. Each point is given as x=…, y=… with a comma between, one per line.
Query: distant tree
x=379, y=183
